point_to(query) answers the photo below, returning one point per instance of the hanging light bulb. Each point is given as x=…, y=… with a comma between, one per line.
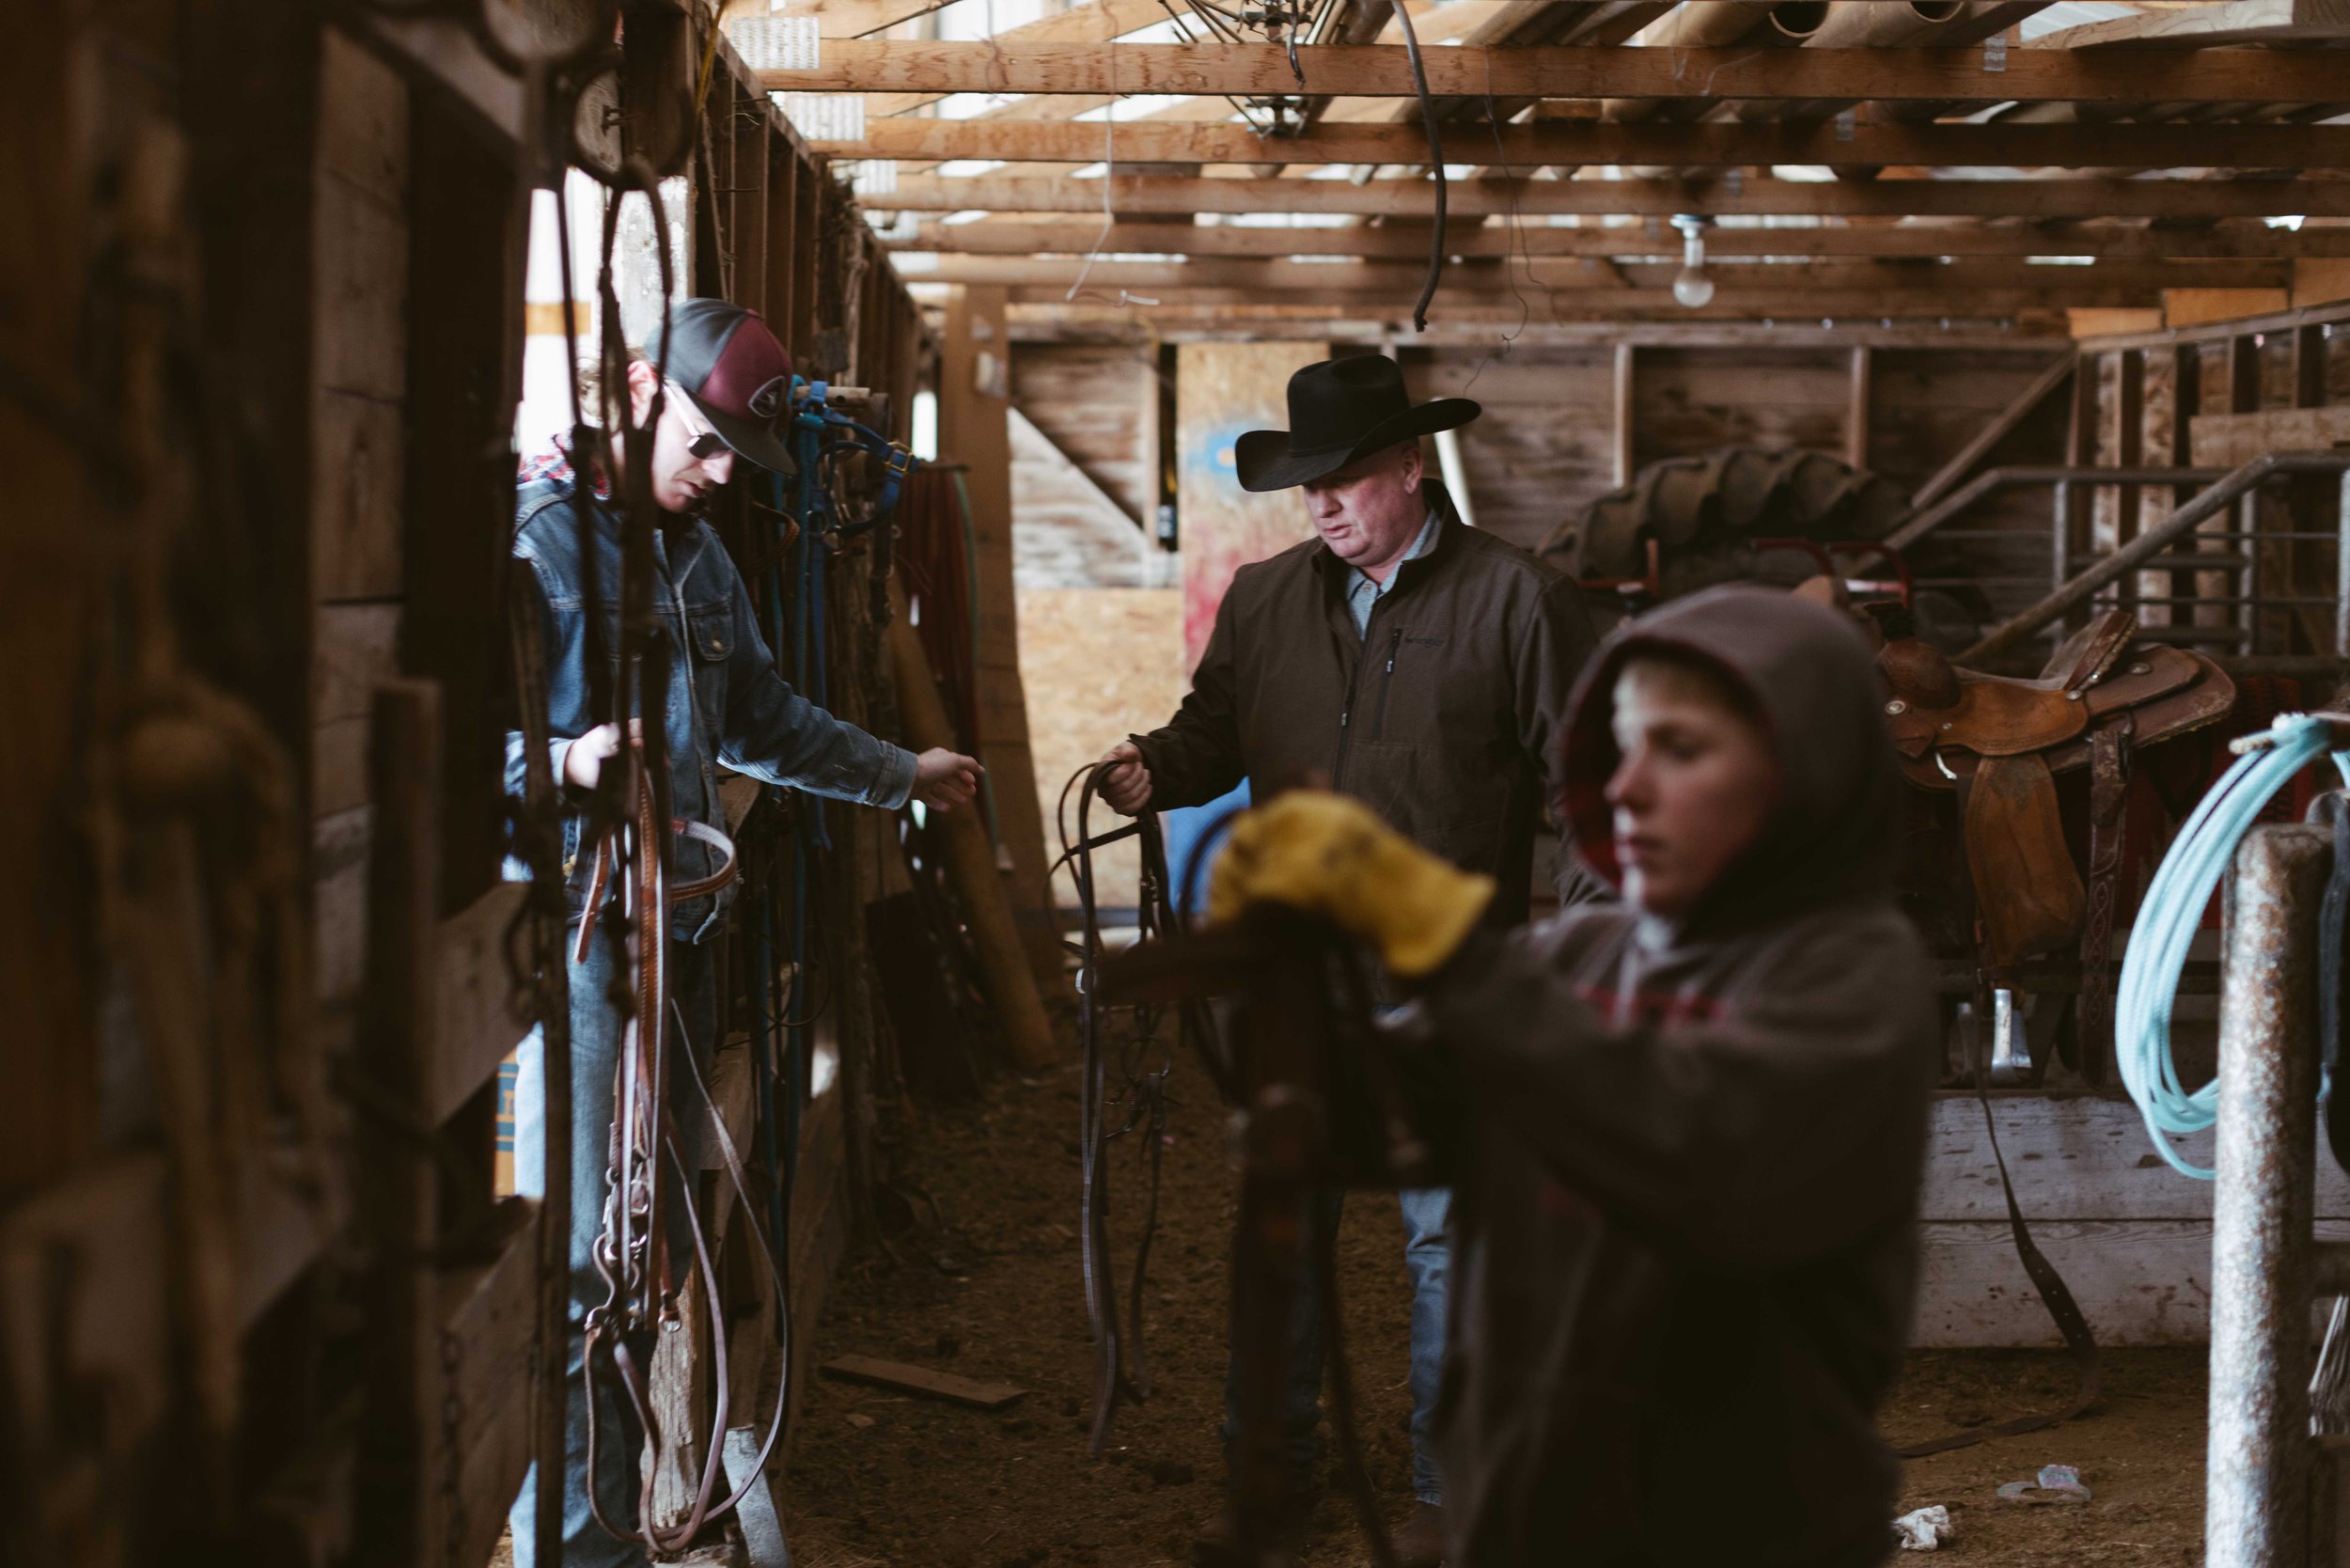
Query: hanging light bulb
x=1692, y=287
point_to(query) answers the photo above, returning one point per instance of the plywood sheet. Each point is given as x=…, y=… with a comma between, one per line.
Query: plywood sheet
x=1099, y=664
x=1222, y=389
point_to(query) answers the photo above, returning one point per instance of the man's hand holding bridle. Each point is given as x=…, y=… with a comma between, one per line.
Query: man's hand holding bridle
x=1125, y=782
x=945, y=779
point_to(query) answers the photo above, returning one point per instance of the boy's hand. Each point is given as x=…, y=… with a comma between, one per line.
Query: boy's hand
x=1331, y=856
x=945, y=779
x=1125, y=782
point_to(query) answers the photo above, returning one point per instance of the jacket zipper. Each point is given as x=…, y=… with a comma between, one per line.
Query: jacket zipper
x=1354, y=682
x=1387, y=685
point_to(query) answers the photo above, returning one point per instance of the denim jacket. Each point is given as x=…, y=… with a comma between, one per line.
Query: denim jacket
x=726, y=704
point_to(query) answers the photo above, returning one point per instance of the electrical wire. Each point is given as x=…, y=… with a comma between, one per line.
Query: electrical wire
x=1435, y=164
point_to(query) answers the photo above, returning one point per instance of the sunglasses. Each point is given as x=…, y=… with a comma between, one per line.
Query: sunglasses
x=702, y=441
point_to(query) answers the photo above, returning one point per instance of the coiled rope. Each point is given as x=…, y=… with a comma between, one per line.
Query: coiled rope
x=2175, y=905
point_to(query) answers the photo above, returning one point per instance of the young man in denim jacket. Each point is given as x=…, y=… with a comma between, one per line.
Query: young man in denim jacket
x=729, y=385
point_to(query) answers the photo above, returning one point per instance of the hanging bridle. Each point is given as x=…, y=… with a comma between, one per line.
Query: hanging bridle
x=632, y=1254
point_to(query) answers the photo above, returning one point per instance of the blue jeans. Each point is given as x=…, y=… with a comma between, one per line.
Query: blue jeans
x=1428, y=1257
x=595, y=1051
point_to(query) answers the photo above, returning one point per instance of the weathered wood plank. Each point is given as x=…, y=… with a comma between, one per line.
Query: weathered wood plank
x=922, y=1380
x=2080, y=1158
x=1600, y=142
x=485, y=1333
x=1004, y=237
x=1585, y=276
x=363, y=137
x=354, y=647
x=1382, y=70
x=361, y=286
x=338, y=902
x=2228, y=440
x=474, y=1024
x=355, y=497
x=2139, y=1283
x=2033, y=199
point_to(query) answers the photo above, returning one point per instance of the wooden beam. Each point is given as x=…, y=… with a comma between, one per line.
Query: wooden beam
x=1963, y=464
x=2208, y=26
x=1627, y=356
x=1097, y=23
x=1601, y=142
x=1405, y=198
x=1595, y=303
x=1380, y=71
x=1859, y=401
x=1011, y=237
x=1471, y=326
x=1950, y=279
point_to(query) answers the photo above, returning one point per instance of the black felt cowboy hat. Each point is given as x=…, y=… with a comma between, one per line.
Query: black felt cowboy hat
x=1339, y=410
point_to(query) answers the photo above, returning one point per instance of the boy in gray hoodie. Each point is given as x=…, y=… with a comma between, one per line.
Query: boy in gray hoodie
x=1686, y=1220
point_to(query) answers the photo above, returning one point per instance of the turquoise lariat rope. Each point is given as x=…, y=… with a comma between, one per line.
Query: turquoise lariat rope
x=2167, y=922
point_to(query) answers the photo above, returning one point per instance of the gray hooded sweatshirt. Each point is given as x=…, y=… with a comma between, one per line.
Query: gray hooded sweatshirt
x=1686, y=1229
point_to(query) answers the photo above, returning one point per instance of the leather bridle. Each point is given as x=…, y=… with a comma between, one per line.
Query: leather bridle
x=632, y=1253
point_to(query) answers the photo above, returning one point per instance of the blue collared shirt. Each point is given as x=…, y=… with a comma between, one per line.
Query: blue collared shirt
x=1365, y=591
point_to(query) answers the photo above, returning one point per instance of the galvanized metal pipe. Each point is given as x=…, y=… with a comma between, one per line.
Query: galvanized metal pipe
x=2257, y=1469
x=2180, y=523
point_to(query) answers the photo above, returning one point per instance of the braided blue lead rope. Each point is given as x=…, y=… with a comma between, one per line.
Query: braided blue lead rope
x=2168, y=920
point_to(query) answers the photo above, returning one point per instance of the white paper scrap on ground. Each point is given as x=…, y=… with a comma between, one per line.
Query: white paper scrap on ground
x=1925, y=1529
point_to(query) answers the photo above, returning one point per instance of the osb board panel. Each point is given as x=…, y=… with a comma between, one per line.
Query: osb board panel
x=1542, y=448
x=1099, y=664
x=1065, y=533
x=1222, y=389
x=1097, y=403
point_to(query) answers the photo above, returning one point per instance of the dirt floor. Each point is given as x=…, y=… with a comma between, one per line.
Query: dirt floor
x=987, y=1285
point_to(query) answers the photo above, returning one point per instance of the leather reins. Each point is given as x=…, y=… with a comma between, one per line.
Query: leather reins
x=1122, y=1367
x=631, y=1255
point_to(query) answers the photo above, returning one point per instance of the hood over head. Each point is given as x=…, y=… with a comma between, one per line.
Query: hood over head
x=1834, y=832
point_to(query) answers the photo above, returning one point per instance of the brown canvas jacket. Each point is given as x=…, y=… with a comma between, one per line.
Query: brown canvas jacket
x=1686, y=1230
x=1443, y=716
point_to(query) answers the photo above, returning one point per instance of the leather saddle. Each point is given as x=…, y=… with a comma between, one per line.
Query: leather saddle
x=1999, y=743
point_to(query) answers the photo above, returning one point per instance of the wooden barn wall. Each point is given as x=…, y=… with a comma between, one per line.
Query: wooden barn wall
x=1545, y=443
x=326, y=371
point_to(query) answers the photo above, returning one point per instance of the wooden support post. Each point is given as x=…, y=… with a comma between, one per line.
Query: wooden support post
x=783, y=169
x=400, y=1520
x=2129, y=451
x=970, y=858
x=807, y=197
x=2074, y=502
x=1626, y=365
x=974, y=405
x=1859, y=401
x=2308, y=365
x=748, y=234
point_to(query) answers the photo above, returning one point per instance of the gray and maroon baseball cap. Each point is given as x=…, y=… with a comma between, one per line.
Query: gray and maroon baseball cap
x=737, y=374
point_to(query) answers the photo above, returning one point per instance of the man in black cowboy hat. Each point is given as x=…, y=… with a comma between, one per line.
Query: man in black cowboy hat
x=1404, y=658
